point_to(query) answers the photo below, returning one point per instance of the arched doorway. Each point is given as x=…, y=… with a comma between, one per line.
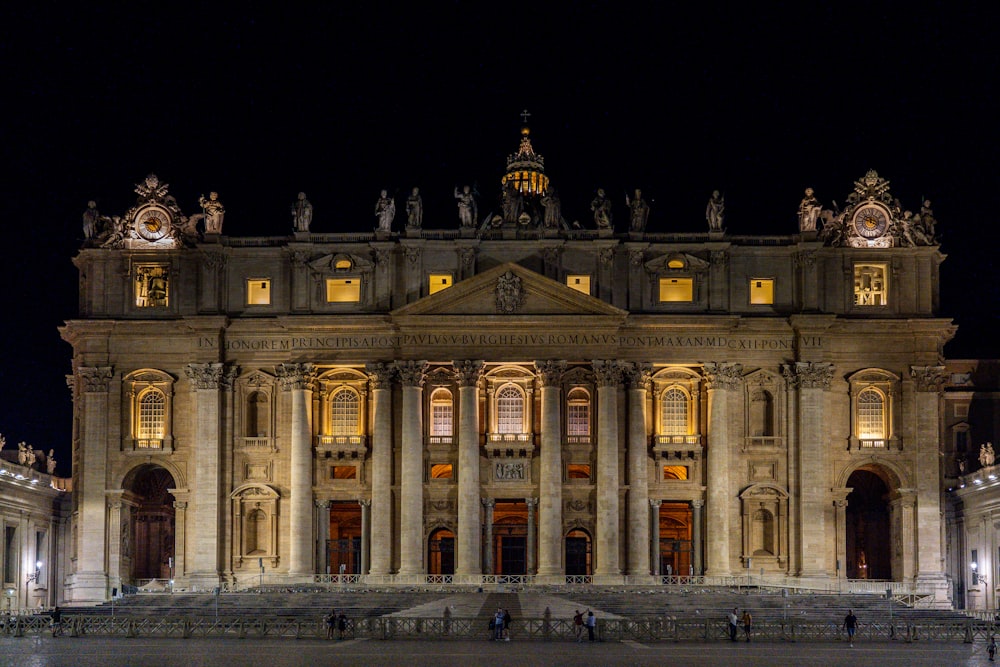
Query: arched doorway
x=578, y=553
x=441, y=552
x=147, y=540
x=868, y=526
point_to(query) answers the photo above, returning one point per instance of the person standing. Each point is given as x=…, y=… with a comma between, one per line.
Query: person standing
x=578, y=625
x=991, y=648
x=341, y=625
x=734, y=620
x=591, y=625
x=498, y=625
x=850, y=625
x=747, y=623
x=506, y=625
x=331, y=622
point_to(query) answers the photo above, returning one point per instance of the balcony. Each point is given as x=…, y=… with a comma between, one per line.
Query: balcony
x=755, y=442
x=677, y=447
x=255, y=444
x=342, y=446
x=509, y=445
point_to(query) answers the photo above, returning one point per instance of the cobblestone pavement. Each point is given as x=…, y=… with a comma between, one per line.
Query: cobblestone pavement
x=102, y=652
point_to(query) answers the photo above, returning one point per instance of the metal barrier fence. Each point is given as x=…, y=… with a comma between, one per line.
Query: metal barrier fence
x=658, y=629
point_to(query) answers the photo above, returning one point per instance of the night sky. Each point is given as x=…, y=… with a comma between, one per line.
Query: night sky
x=342, y=101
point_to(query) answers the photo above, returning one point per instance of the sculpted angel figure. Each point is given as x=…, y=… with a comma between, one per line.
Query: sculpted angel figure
x=214, y=212
x=809, y=209
x=414, y=209
x=601, y=206
x=385, y=211
x=50, y=462
x=986, y=455
x=715, y=212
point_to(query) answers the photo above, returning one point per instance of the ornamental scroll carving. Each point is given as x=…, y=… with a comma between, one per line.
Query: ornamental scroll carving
x=380, y=375
x=607, y=373
x=95, y=378
x=204, y=376
x=638, y=375
x=550, y=372
x=509, y=293
x=809, y=374
x=723, y=375
x=411, y=373
x=928, y=378
x=468, y=372
x=295, y=376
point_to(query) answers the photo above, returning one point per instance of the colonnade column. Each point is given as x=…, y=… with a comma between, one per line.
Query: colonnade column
x=696, y=546
x=411, y=483
x=638, y=377
x=550, y=527
x=298, y=379
x=812, y=466
x=532, y=503
x=90, y=581
x=926, y=520
x=322, y=536
x=721, y=379
x=488, y=504
x=840, y=511
x=654, y=547
x=366, y=532
x=469, y=557
x=205, y=548
x=609, y=376
x=380, y=378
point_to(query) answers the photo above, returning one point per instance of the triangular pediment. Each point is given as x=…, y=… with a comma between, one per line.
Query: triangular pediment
x=509, y=290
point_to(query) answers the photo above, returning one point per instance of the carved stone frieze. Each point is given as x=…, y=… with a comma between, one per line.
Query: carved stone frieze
x=805, y=259
x=295, y=376
x=638, y=375
x=636, y=257
x=468, y=371
x=509, y=293
x=413, y=255
x=606, y=256
x=928, y=378
x=468, y=257
x=723, y=375
x=95, y=378
x=215, y=260
x=411, y=373
x=229, y=373
x=550, y=372
x=809, y=374
x=608, y=373
x=204, y=376
x=382, y=256
x=380, y=375
x=720, y=258
x=551, y=255
x=577, y=505
x=441, y=505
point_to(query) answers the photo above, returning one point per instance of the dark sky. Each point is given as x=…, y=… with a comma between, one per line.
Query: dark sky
x=341, y=100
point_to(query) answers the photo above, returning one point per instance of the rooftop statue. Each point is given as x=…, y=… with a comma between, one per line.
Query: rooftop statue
x=987, y=456
x=601, y=206
x=553, y=209
x=809, y=209
x=385, y=211
x=414, y=210
x=213, y=211
x=715, y=212
x=302, y=213
x=50, y=462
x=924, y=225
x=91, y=221
x=512, y=202
x=466, y=206
x=638, y=211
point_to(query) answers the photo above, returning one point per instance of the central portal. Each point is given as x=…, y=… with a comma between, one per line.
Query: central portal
x=510, y=537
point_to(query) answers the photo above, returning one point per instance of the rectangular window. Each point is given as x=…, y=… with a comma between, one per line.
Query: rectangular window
x=675, y=472
x=10, y=554
x=441, y=419
x=343, y=290
x=343, y=472
x=152, y=286
x=442, y=471
x=761, y=291
x=675, y=290
x=259, y=292
x=437, y=282
x=578, y=419
x=871, y=287
x=961, y=410
x=578, y=471
x=579, y=283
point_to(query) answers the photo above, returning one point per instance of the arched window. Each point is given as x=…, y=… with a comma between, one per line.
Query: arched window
x=871, y=415
x=674, y=412
x=152, y=418
x=510, y=410
x=442, y=413
x=345, y=412
x=577, y=413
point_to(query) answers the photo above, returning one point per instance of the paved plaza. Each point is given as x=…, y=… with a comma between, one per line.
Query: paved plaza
x=101, y=652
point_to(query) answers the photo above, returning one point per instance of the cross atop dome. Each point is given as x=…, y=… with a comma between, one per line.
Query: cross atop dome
x=526, y=168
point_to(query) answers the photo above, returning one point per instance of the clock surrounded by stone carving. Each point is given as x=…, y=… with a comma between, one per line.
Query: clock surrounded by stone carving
x=871, y=221
x=152, y=223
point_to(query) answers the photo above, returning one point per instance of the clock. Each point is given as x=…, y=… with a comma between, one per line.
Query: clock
x=152, y=223
x=871, y=221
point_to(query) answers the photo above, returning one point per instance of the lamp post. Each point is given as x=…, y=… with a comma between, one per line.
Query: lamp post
x=978, y=579
x=33, y=577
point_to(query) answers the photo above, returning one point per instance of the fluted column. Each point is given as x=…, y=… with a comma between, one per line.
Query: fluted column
x=926, y=517
x=609, y=377
x=488, y=504
x=298, y=379
x=90, y=581
x=654, y=524
x=469, y=559
x=411, y=483
x=696, y=544
x=381, y=376
x=638, y=378
x=366, y=535
x=812, y=465
x=550, y=472
x=532, y=503
x=721, y=379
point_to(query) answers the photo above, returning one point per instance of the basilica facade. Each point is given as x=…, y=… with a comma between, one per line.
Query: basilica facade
x=509, y=396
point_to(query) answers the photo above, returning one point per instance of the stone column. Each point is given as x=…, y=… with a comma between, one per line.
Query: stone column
x=204, y=561
x=840, y=510
x=904, y=531
x=550, y=529
x=322, y=536
x=638, y=378
x=813, y=466
x=366, y=535
x=90, y=581
x=609, y=376
x=488, y=504
x=926, y=520
x=469, y=557
x=654, y=524
x=530, y=556
x=411, y=483
x=180, y=532
x=116, y=508
x=298, y=379
x=381, y=376
x=721, y=379
x=696, y=545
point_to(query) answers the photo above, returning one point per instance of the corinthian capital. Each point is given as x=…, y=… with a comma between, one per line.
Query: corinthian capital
x=550, y=372
x=723, y=375
x=928, y=378
x=94, y=378
x=204, y=376
x=380, y=375
x=607, y=372
x=809, y=374
x=468, y=371
x=638, y=375
x=295, y=376
x=411, y=373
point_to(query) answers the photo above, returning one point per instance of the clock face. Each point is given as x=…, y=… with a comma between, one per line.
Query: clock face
x=870, y=221
x=152, y=223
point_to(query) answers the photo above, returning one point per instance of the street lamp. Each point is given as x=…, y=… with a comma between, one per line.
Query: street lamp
x=976, y=577
x=33, y=577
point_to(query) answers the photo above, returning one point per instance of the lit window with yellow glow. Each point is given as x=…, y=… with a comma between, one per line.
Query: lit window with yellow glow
x=343, y=290
x=675, y=472
x=871, y=285
x=345, y=413
x=152, y=417
x=442, y=471
x=342, y=264
x=438, y=282
x=259, y=292
x=579, y=283
x=871, y=415
x=442, y=413
x=152, y=286
x=343, y=472
x=761, y=291
x=578, y=471
x=676, y=290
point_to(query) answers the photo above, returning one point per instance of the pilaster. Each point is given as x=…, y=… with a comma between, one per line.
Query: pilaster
x=638, y=378
x=721, y=380
x=550, y=542
x=468, y=558
x=298, y=379
x=607, y=568
x=380, y=377
x=411, y=487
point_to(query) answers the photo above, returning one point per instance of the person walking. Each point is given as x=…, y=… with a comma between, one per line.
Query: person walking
x=734, y=620
x=991, y=648
x=850, y=625
x=578, y=625
x=56, y=617
x=747, y=623
x=591, y=624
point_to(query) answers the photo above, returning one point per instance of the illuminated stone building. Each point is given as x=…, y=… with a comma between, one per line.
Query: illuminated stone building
x=451, y=401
